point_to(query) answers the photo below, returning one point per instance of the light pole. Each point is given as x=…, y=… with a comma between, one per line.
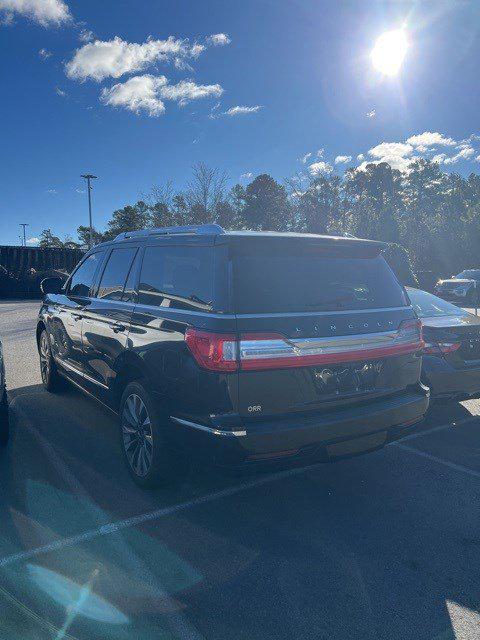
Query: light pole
x=24, y=225
x=88, y=177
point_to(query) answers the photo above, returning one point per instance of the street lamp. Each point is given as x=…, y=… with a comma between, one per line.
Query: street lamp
x=88, y=177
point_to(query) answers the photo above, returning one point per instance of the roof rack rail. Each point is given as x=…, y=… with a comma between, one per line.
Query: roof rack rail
x=200, y=229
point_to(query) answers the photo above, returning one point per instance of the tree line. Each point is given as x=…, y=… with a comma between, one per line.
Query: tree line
x=431, y=217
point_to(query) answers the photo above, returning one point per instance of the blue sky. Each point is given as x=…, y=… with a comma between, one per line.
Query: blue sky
x=98, y=87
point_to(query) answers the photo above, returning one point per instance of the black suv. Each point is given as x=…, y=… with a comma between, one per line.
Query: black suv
x=242, y=348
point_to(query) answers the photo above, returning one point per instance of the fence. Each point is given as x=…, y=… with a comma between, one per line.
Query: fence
x=23, y=268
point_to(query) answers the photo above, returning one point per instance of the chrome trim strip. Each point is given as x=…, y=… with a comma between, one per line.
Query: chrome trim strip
x=202, y=427
x=208, y=314
x=321, y=313
x=71, y=367
x=268, y=348
x=67, y=365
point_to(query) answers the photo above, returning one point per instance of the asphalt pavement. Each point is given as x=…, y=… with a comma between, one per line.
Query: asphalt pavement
x=384, y=546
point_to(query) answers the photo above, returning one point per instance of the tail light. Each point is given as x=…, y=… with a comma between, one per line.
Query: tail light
x=440, y=348
x=214, y=351
x=259, y=351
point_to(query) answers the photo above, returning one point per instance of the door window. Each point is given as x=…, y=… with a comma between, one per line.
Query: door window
x=178, y=277
x=83, y=278
x=115, y=274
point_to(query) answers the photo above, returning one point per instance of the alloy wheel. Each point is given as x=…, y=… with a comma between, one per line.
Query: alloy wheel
x=137, y=435
x=44, y=357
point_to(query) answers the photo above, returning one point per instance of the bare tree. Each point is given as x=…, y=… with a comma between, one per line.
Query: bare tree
x=205, y=192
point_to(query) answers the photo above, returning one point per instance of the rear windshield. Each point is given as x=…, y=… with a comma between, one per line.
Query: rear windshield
x=311, y=280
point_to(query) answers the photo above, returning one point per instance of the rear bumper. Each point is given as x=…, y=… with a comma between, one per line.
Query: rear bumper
x=448, y=382
x=319, y=437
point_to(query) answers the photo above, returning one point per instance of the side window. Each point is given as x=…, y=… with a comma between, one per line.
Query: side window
x=115, y=274
x=177, y=277
x=82, y=279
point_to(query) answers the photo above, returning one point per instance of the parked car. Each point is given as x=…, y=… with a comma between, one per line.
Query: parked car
x=241, y=348
x=462, y=289
x=4, y=414
x=451, y=360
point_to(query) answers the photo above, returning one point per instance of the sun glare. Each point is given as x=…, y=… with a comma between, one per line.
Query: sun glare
x=389, y=52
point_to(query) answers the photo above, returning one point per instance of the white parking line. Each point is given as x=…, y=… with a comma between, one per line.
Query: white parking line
x=441, y=427
x=114, y=527
x=446, y=463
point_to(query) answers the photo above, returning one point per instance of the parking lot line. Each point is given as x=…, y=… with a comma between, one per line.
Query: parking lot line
x=114, y=527
x=119, y=525
x=445, y=463
x=441, y=427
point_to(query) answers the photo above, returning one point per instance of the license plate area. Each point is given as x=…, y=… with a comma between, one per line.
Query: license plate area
x=349, y=379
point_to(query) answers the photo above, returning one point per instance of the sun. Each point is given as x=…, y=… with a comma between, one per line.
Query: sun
x=389, y=52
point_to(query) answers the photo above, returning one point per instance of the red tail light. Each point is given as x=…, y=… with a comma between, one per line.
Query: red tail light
x=214, y=351
x=440, y=348
x=257, y=351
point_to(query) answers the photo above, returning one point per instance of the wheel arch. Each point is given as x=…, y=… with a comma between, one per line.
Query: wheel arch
x=41, y=326
x=129, y=367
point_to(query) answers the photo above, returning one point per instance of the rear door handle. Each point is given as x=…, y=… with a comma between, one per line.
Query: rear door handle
x=118, y=328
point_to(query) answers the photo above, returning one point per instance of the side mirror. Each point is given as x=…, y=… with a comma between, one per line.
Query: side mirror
x=51, y=285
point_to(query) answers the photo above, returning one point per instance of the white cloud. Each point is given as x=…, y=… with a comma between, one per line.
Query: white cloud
x=423, y=141
x=44, y=54
x=400, y=154
x=343, y=159
x=33, y=240
x=320, y=167
x=196, y=50
x=246, y=176
x=397, y=154
x=147, y=93
x=44, y=12
x=60, y=92
x=371, y=114
x=304, y=158
x=86, y=35
x=79, y=191
x=52, y=191
x=242, y=110
x=465, y=153
x=477, y=159
x=187, y=90
x=218, y=39
x=113, y=58
x=320, y=152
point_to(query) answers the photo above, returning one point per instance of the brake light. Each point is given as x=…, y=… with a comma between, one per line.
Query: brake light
x=214, y=351
x=440, y=348
x=257, y=351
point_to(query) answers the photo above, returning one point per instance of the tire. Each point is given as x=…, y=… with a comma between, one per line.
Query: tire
x=51, y=379
x=148, y=460
x=4, y=420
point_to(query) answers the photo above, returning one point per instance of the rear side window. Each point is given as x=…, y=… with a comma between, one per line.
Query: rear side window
x=277, y=281
x=115, y=274
x=82, y=279
x=178, y=277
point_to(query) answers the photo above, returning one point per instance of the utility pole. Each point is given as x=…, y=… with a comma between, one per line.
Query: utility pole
x=88, y=177
x=24, y=225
